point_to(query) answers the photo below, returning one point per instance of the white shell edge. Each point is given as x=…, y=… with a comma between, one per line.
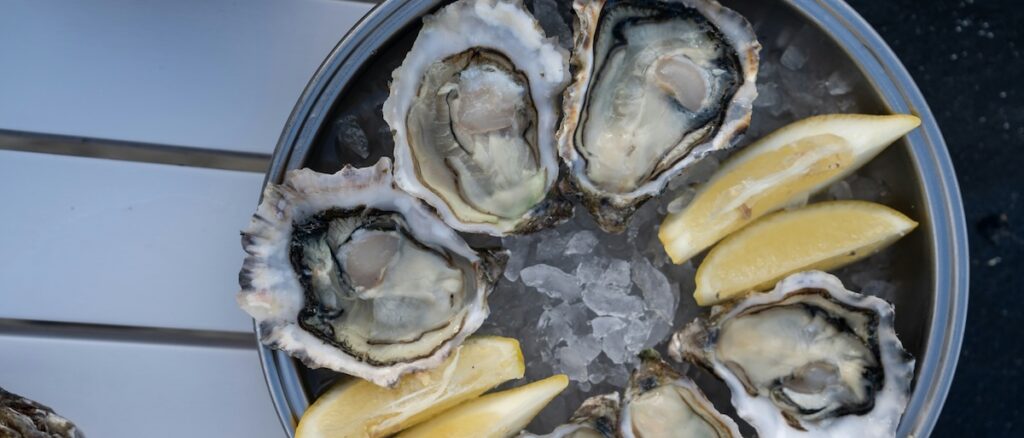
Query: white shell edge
x=502, y=25
x=741, y=36
x=890, y=402
x=271, y=292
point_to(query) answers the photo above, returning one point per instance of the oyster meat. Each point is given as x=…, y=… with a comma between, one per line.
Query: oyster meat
x=808, y=359
x=474, y=109
x=658, y=84
x=347, y=272
x=661, y=403
x=596, y=417
x=21, y=417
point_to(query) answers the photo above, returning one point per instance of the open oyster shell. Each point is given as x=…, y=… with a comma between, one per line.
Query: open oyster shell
x=808, y=359
x=658, y=85
x=660, y=402
x=347, y=272
x=597, y=417
x=21, y=417
x=474, y=109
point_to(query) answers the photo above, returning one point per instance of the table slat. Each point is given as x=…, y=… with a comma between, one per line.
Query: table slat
x=128, y=390
x=114, y=242
x=214, y=74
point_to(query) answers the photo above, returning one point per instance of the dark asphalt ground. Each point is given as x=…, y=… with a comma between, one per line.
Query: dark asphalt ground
x=966, y=58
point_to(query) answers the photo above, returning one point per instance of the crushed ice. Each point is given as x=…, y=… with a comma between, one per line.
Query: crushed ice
x=588, y=302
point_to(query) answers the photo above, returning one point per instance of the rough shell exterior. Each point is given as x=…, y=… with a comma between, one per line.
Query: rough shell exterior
x=21, y=417
x=693, y=343
x=271, y=292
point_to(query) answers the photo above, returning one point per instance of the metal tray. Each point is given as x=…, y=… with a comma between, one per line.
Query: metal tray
x=932, y=263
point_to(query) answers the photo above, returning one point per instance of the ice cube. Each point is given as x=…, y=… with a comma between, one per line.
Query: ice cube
x=518, y=252
x=571, y=363
x=614, y=346
x=551, y=245
x=590, y=269
x=602, y=368
x=837, y=84
x=349, y=135
x=659, y=296
x=582, y=242
x=575, y=314
x=603, y=325
x=552, y=282
x=637, y=332
x=607, y=301
x=575, y=358
x=618, y=376
x=577, y=353
x=660, y=331
x=793, y=57
x=561, y=323
x=768, y=95
x=616, y=275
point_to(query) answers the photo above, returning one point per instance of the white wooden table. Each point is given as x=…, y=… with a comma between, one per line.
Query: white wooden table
x=119, y=246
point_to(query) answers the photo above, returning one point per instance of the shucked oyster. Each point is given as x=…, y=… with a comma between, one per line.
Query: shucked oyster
x=658, y=85
x=661, y=403
x=346, y=272
x=808, y=359
x=596, y=417
x=473, y=109
x=21, y=417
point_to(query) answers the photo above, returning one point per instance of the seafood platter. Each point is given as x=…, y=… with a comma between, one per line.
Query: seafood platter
x=607, y=218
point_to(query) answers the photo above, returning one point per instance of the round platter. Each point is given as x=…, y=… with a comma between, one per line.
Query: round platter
x=929, y=266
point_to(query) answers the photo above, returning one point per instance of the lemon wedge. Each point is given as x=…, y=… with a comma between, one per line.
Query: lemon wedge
x=497, y=415
x=820, y=236
x=357, y=408
x=784, y=166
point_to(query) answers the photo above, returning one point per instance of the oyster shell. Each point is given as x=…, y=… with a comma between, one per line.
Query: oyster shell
x=473, y=109
x=21, y=417
x=661, y=403
x=808, y=359
x=658, y=85
x=596, y=417
x=347, y=272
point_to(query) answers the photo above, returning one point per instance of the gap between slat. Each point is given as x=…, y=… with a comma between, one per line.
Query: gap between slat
x=120, y=333
x=132, y=151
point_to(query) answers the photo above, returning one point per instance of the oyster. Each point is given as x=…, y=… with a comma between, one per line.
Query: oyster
x=596, y=417
x=347, y=272
x=661, y=403
x=21, y=417
x=473, y=109
x=658, y=85
x=809, y=358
